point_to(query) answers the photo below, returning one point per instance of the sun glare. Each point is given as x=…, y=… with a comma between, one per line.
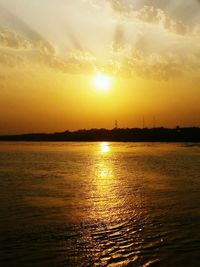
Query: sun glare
x=102, y=82
x=105, y=147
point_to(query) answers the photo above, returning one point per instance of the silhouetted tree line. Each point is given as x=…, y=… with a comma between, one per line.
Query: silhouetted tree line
x=178, y=134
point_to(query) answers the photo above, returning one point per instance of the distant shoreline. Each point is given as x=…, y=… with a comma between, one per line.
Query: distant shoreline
x=187, y=134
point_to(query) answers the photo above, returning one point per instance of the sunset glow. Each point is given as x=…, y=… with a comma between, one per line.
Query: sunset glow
x=100, y=133
x=112, y=60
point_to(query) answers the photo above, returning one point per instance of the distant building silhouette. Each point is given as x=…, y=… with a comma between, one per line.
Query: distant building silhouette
x=188, y=134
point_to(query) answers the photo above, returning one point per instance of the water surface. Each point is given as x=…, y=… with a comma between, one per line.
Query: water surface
x=99, y=204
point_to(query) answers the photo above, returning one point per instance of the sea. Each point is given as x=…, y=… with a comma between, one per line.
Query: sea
x=99, y=204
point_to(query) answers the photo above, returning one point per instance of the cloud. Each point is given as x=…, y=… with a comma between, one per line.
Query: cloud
x=152, y=15
x=12, y=40
x=136, y=49
x=17, y=51
x=125, y=59
x=144, y=59
x=23, y=37
x=75, y=62
x=10, y=59
x=166, y=48
x=147, y=14
x=24, y=45
x=116, y=6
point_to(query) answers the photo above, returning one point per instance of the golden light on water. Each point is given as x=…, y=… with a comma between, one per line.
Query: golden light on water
x=104, y=184
x=101, y=82
x=104, y=146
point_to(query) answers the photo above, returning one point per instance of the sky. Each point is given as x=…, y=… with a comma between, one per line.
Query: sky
x=51, y=50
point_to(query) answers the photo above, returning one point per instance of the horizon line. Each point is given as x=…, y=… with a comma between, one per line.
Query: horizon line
x=107, y=129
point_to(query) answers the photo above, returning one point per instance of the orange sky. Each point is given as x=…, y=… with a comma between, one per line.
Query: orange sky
x=50, y=52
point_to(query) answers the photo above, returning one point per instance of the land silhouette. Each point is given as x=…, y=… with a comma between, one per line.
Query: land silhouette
x=186, y=134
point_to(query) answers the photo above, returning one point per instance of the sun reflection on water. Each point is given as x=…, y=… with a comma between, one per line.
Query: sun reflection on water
x=105, y=184
x=105, y=148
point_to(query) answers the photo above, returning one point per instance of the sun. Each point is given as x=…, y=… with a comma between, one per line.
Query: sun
x=101, y=81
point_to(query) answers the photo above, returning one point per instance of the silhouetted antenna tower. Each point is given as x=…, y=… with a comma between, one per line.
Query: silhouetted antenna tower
x=143, y=122
x=116, y=124
x=154, y=122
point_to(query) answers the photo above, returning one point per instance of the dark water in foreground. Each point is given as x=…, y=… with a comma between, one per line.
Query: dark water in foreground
x=99, y=204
